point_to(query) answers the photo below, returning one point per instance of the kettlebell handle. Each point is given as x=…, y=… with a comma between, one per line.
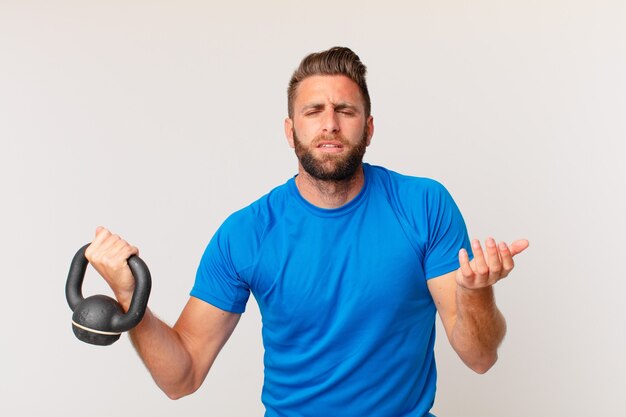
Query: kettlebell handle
x=139, y=301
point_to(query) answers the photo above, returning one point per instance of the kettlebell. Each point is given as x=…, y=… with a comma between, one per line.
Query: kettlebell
x=100, y=320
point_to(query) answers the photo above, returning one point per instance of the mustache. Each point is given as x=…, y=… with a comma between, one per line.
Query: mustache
x=330, y=137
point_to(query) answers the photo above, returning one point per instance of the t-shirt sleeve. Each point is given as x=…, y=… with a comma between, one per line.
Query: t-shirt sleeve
x=217, y=279
x=447, y=233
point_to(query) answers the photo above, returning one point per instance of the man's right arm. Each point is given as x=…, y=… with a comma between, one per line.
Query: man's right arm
x=178, y=357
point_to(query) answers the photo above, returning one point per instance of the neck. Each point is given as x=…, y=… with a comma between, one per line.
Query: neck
x=329, y=194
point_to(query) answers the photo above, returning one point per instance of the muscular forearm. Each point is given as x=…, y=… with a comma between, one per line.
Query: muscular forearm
x=479, y=328
x=164, y=354
x=178, y=357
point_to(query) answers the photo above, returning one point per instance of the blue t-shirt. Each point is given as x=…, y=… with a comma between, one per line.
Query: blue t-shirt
x=348, y=321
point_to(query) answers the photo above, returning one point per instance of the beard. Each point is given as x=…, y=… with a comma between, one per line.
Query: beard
x=331, y=167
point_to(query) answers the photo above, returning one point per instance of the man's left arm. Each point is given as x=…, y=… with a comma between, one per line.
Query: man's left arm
x=466, y=303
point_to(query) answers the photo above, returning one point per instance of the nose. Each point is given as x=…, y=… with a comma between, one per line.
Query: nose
x=330, y=123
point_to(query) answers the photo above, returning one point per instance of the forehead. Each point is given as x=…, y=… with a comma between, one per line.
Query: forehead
x=328, y=88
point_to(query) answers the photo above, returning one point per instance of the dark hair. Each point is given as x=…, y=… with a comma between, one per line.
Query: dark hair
x=335, y=61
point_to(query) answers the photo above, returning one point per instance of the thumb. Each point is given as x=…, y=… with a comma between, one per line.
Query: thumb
x=99, y=229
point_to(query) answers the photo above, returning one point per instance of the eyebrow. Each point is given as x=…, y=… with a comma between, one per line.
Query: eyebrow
x=344, y=106
x=313, y=106
x=338, y=106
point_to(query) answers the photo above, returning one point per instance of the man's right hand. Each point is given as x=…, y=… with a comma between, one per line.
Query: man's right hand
x=178, y=357
x=108, y=254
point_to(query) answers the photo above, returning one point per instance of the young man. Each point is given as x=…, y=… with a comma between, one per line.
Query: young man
x=349, y=264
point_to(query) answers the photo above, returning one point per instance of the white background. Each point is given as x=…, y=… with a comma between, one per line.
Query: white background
x=157, y=119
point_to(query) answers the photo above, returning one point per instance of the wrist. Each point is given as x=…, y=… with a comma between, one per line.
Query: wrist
x=124, y=298
x=474, y=292
x=470, y=298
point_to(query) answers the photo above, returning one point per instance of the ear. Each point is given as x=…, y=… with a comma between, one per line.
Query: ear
x=289, y=131
x=369, y=125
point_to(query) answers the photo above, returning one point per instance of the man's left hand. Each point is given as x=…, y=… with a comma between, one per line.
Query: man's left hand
x=487, y=268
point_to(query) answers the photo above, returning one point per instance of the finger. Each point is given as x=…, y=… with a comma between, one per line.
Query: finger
x=118, y=248
x=518, y=246
x=109, y=242
x=464, y=263
x=465, y=273
x=480, y=265
x=122, y=249
x=132, y=250
x=103, y=248
x=507, y=258
x=493, y=259
x=101, y=235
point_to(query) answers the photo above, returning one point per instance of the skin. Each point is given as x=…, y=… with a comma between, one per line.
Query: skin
x=178, y=357
x=466, y=304
x=327, y=107
x=328, y=121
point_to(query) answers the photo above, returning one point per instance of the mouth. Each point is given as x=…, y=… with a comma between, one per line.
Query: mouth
x=330, y=146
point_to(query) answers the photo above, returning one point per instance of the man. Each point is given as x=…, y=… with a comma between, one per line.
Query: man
x=349, y=264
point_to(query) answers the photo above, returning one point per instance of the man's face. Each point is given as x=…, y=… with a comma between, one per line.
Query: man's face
x=329, y=130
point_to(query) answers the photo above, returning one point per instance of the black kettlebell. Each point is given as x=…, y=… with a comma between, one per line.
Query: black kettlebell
x=100, y=320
